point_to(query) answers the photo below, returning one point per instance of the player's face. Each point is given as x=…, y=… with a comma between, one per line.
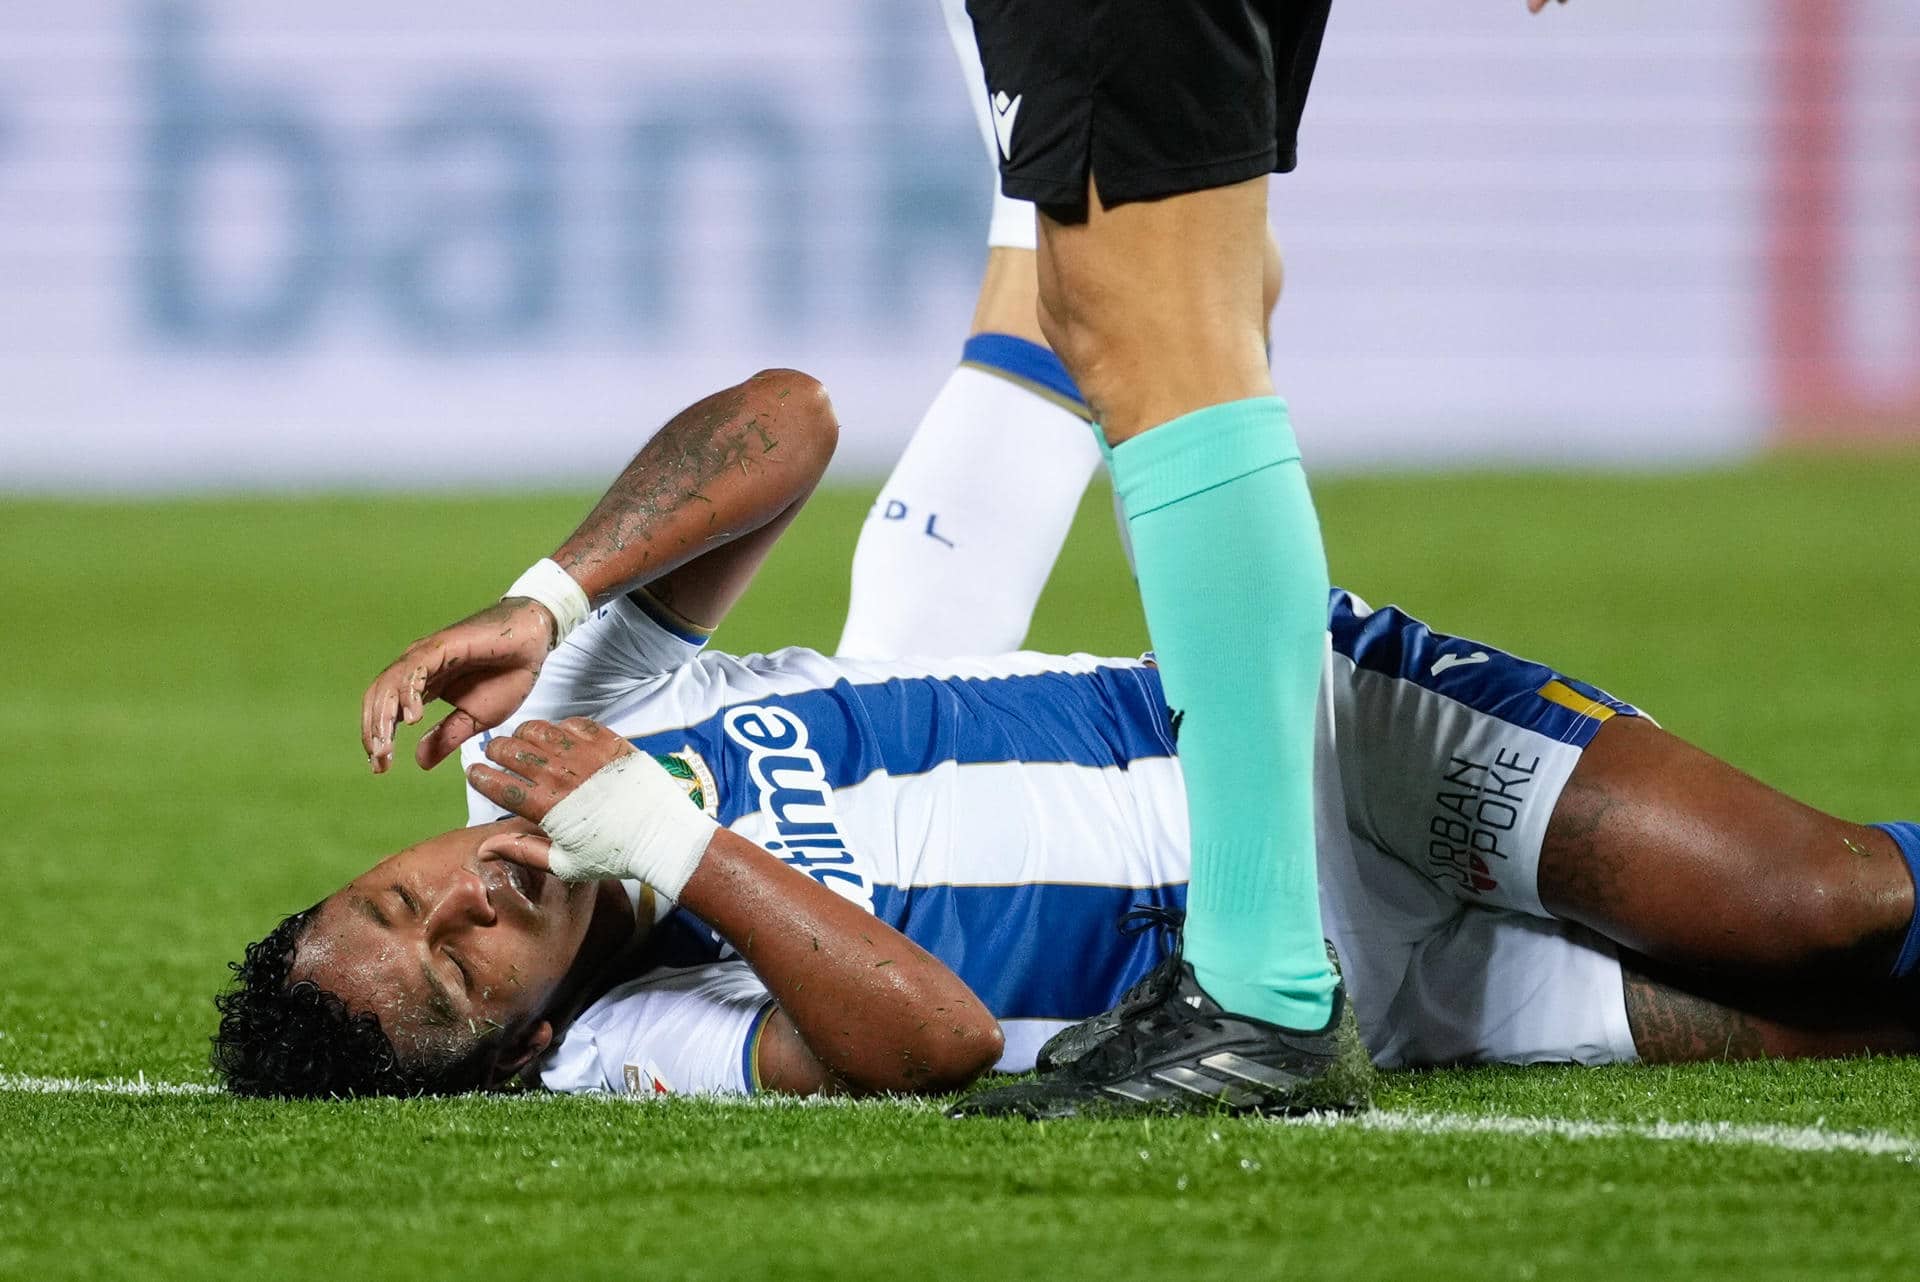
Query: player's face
x=450, y=939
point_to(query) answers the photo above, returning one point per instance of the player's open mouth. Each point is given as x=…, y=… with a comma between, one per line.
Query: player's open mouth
x=525, y=882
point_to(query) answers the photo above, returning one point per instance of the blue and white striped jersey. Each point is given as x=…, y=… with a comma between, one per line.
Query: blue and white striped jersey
x=1003, y=813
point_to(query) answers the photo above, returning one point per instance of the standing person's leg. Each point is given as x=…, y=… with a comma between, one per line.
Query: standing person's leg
x=1144, y=138
x=1157, y=308
x=954, y=554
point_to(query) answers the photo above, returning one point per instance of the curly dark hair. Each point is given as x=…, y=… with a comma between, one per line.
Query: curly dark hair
x=287, y=1040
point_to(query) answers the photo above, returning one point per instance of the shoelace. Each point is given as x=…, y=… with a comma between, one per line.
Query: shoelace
x=1146, y=916
x=1153, y=989
x=1143, y=918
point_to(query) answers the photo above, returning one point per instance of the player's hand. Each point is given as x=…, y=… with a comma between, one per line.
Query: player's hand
x=541, y=763
x=1535, y=6
x=483, y=665
x=611, y=811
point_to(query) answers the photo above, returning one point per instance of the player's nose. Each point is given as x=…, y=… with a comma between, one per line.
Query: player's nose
x=464, y=900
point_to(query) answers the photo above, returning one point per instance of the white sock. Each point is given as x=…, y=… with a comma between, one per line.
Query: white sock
x=957, y=548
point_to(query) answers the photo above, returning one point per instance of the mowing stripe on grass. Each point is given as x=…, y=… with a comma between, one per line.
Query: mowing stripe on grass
x=1792, y=1139
x=1795, y=1139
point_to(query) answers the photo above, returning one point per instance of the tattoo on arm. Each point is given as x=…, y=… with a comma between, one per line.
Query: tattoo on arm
x=1674, y=1027
x=700, y=444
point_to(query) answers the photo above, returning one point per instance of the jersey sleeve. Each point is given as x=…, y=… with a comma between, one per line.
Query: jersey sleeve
x=629, y=641
x=685, y=1031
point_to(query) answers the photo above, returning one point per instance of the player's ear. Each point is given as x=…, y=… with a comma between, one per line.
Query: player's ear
x=523, y=1050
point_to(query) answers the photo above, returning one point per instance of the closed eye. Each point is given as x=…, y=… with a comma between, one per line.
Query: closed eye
x=406, y=898
x=466, y=979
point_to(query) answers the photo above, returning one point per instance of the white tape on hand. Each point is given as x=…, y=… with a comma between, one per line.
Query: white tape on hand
x=555, y=589
x=631, y=820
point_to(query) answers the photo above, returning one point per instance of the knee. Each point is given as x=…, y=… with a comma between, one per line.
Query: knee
x=1071, y=339
x=1854, y=901
x=1113, y=375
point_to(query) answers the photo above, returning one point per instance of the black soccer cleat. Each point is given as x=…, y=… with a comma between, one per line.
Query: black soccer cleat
x=1184, y=1053
x=1075, y=1040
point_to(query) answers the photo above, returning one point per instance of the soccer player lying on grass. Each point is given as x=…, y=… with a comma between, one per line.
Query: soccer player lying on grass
x=796, y=873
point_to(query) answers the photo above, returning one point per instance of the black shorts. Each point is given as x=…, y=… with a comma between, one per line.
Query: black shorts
x=1151, y=97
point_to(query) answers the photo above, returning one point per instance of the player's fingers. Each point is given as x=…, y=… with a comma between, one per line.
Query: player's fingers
x=532, y=849
x=510, y=791
x=366, y=711
x=544, y=733
x=402, y=697
x=445, y=738
x=585, y=728
x=571, y=750
x=366, y=716
x=500, y=746
x=522, y=756
x=413, y=701
x=377, y=726
x=554, y=738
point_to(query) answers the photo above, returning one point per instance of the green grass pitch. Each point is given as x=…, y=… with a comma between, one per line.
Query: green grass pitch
x=179, y=764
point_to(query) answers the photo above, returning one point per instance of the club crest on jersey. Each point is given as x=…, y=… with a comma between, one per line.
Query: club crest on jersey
x=644, y=1079
x=796, y=799
x=690, y=770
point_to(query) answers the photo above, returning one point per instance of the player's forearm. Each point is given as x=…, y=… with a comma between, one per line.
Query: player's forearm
x=878, y=1011
x=861, y=1005
x=723, y=467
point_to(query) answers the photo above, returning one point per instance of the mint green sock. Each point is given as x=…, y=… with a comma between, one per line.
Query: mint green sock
x=1234, y=580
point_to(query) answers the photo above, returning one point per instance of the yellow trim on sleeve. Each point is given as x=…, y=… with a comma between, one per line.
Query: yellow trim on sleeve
x=669, y=618
x=1567, y=697
x=754, y=1086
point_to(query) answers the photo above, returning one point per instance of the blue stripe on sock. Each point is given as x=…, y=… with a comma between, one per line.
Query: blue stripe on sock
x=1022, y=360
x=1907, y=837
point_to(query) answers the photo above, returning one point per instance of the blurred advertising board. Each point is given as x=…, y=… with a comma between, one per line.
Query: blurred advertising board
x=487, y=243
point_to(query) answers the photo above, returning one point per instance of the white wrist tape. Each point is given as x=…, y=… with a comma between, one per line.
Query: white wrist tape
x=554, y=588
x=631, y=819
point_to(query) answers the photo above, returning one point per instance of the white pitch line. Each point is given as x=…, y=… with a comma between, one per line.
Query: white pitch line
x=1791, y=1139
x=1787, y=1139
x=25, y=1084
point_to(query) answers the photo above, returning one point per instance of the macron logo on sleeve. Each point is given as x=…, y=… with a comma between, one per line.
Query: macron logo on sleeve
x=1004, y=111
